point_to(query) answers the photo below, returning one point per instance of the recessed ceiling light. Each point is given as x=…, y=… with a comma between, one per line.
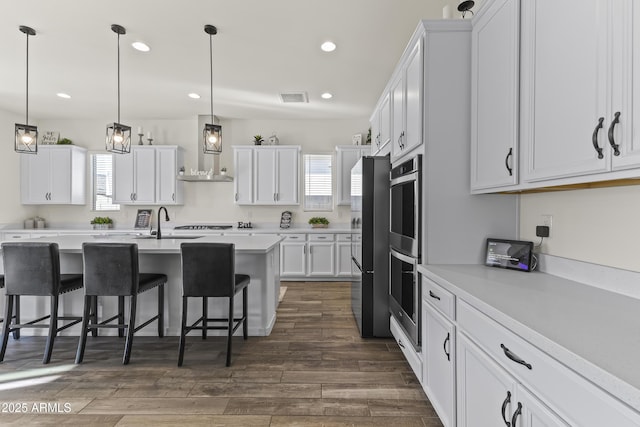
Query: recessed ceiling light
x=328, y=46
x=194, y=96
x=63, y=95
x=326, y=95
x=142, y=47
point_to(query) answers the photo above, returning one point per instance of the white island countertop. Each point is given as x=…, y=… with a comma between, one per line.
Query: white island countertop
x=72, y=243
x=593, y=331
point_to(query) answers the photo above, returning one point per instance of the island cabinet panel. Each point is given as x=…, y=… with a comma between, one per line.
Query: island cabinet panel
x=53, y=176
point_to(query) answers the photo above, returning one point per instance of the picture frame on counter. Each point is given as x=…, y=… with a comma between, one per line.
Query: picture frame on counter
x=143, y=219
x=285, y=219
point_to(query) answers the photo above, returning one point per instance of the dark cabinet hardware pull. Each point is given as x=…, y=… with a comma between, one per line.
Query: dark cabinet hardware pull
x=504, y=408
x=594, y=138
x=513, y=357
x=616, y=120
x=515, y=415
x=444, y=346
x=400, y=344
x=506, y=161
x=434, y=296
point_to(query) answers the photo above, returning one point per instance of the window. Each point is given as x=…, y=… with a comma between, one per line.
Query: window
x=102, y=178
x=318, y=186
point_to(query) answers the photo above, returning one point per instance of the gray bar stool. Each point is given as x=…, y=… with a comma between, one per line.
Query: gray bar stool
x=33, y=268
x=111, y=269
x=16, y=332
x=208, y=270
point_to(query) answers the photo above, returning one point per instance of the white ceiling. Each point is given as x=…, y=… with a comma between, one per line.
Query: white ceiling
x=263, y=47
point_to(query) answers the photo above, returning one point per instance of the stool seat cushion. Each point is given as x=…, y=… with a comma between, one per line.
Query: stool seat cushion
x=242, y=280
x=70, y=282
x=148, y=281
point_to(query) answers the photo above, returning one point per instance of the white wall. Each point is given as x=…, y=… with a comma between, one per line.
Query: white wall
x=601, y=226
x=204, y=202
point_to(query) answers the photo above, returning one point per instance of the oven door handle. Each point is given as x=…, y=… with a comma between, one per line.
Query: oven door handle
x=403, y=257
x=413, y=176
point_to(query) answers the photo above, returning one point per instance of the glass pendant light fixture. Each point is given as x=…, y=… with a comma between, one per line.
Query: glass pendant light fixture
x=465, y=6
x=212, y=133
x=26, y=135
x=118, y=139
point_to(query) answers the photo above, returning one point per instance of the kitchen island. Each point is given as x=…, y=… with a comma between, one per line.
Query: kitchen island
x=258, y=256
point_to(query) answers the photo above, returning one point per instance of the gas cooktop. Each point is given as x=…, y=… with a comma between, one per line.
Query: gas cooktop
x=203, y=227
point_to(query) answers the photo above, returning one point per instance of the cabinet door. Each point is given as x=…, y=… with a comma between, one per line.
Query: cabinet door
x=532, y=412
x=123, y=178
x=346, y=159
x=385, y=122
x=166, y=182
x=563, y=88
x=35, y=177
x=494, y=96
x=265, y=175
x=293, y=259
x=60, y=176
x=144, y=175
x=243, y=180
x=287, y=163
x=374, y=121
x=485, y=392
x=343, y=259
x=397, y=116
x=413, y=99
x=321, y=259
x=438, y=343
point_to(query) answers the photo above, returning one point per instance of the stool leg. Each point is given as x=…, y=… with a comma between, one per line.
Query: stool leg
x=183, y=328
x=16, y=333
x=94, y=315
x=130, y=330
x=121, y=315
x=88, y=302
x=230, y=331
x=205, y=314
x=7, y=325
x=245, y=303
x=161, y=311
x=53, y=329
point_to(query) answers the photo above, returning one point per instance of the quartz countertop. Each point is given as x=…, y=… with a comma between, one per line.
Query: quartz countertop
x=169, y=229
x=593, y=331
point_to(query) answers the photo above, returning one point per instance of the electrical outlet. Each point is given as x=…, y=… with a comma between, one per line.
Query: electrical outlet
x=546, y=220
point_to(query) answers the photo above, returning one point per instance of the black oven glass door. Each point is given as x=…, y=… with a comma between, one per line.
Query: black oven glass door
x=403, y=202
x=405, y=210
x=405, y=294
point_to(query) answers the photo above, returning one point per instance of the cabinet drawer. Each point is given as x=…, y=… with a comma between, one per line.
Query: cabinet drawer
x=343, y=237
x=407, y=348
x=438, y=297
x=321, y=237
x=574, y=398
x=295, y=237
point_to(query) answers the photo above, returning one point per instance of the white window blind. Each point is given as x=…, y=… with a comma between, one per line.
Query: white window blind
x=102, y=174
x=318, y=183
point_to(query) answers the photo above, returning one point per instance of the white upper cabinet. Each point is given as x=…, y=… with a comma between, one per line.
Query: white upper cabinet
x=494, y=96
x=347, y=156
x=271, y=171
x=381, y=127
x=56, y=175
x=147, y=176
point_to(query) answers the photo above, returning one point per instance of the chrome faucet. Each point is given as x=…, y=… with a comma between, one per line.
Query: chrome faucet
x=166, y=218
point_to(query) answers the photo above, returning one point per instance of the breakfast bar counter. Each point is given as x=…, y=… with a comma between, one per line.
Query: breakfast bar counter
x=257, y=256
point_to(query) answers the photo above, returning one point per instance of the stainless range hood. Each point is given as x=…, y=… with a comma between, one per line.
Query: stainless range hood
x=206, y=162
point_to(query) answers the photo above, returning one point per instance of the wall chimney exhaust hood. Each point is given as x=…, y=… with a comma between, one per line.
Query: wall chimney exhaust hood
x=206, y=162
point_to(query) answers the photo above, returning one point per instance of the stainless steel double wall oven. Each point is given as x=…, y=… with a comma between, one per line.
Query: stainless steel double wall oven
x=405, y=245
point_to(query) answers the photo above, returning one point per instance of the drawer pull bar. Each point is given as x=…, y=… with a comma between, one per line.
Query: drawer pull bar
x=400, y=344
x=444, y=346
x=513, y=357
x=506, y=161
x=434, y=296
x=515, y=415
x=616, y=119
x=504, y=408
x=594, y=138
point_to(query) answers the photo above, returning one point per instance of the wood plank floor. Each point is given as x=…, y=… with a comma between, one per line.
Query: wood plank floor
x=313, y=370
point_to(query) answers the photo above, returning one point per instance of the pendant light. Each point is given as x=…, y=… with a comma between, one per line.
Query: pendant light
x=118, y=138
x=26, y=135
x=212, y=133
x=465, y=6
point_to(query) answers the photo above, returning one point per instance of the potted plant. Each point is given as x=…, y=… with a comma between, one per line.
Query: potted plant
x=101, y=223
x=257, y=139
x=319, y=222
x=65, y=141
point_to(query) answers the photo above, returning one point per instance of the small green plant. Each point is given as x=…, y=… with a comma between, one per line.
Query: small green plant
x=319, y=220
x=65, y=141
x=101, y=220
x=257, y=139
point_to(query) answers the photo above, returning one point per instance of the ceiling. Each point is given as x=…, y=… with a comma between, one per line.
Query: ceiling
x=263, y=48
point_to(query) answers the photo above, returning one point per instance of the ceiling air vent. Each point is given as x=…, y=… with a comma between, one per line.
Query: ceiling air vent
x=294, y=97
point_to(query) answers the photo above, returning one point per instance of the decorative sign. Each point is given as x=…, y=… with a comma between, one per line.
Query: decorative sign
x=49, y=138
x=285, y=219
x=356, y=139
x=143, y=219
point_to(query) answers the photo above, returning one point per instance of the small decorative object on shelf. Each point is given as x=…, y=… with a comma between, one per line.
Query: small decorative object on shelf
x=273, y=139
x=319, y=222
x=140, y=135
x=50, y=137
x=149, y=138
x=356, y=139
x=257, y=139
x=181, y=171
x=101, y=223
x=65, y=141
x=369, y=137
x=223, y=171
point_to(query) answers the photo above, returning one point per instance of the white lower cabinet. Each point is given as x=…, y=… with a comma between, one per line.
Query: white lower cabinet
x=343, y=255
x=315, y=256
x=321, y=255
x=293, y=255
